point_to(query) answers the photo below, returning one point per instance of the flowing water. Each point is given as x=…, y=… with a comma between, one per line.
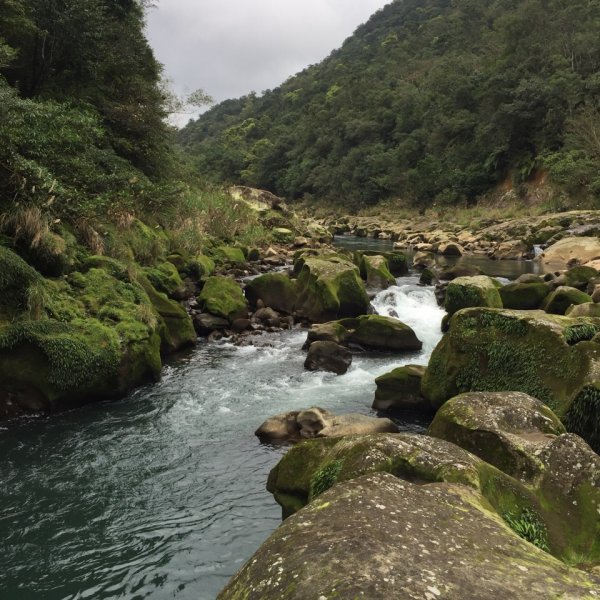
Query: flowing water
x=162, y=495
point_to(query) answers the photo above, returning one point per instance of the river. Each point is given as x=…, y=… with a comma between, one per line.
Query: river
x=162, y=495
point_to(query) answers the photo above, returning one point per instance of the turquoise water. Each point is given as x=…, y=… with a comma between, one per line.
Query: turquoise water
x=162, y=495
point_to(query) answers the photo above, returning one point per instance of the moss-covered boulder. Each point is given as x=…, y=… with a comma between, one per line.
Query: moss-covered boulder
x=19, y=283
x=199, y=267
x=282, y=235
x=588, y=309
x=578, y=277
x=223, y=297
x=328, y=288
x=506, y=429
x=165, y=278
x=392, y=537
x=400, y=389
x=546, y=356
x=371, y=332
x=397, y=263
x=524, y=296
x=466, y=292
x=229, y=255
x=558, y=302
x=523, y=438
x=95, y=334
x=376, y=272
x=275, y=290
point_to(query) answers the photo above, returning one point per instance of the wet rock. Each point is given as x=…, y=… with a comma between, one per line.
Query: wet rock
x=328, y=356
x=205, y=323
x=274, y=290
x=372, y=332
x=450, y=249
x=240, y=325
x=460, y=269
x=511, y=250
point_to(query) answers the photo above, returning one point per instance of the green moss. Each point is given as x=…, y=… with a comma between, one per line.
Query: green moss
x=223, y=297
x=16, y=279
x=276, y=290
x=487, y=350
x=562, y=298
x=325, y=477
x=165, y=278
x=229, y=254
x=523, y=296
x=200, y=267
x=79, y=354
x=466, y=292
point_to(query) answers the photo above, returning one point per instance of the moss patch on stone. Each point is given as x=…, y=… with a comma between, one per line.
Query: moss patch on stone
x=223, y=297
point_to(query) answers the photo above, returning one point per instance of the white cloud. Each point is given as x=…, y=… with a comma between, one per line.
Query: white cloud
x=232, y=47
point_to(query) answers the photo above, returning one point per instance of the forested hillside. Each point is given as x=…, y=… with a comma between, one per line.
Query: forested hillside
x=431, y=101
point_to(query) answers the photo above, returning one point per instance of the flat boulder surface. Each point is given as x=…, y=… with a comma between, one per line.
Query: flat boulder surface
x=466, y=292
x=572, y=249
x=377, y=537
x=506, y=429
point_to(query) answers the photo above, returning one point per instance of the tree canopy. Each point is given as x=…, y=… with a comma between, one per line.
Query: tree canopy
x=430, y=100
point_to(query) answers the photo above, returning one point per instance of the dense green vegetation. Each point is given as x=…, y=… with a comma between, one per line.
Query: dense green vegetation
x=433, y=101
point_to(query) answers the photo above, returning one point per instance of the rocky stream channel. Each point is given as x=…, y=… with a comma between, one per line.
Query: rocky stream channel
x=162, y=495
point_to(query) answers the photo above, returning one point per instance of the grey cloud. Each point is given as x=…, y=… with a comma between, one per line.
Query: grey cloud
x=230, y=48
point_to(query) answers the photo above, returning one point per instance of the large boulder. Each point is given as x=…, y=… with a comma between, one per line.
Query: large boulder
x=587, y=309
x=378, y=537
x=572, y=250
x=400, y=389
x=328, y=356
x=546, y=356
x=223, y=297
x=375, y=270
x=506, y=429
x=371, y=332
x=275, y=290
x=316, y=422
x=466, y=292
x=328, y=288
x=562, y=298
x=524, y=296
x=577, y=277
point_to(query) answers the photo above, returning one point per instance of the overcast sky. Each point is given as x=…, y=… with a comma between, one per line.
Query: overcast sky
x=232, y=47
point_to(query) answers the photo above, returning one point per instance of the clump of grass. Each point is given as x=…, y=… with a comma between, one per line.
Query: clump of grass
x=529, y=526
x=325, y=477
x=580, y=333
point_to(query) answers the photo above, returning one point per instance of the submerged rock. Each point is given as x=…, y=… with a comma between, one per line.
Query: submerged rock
x=376, y=536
